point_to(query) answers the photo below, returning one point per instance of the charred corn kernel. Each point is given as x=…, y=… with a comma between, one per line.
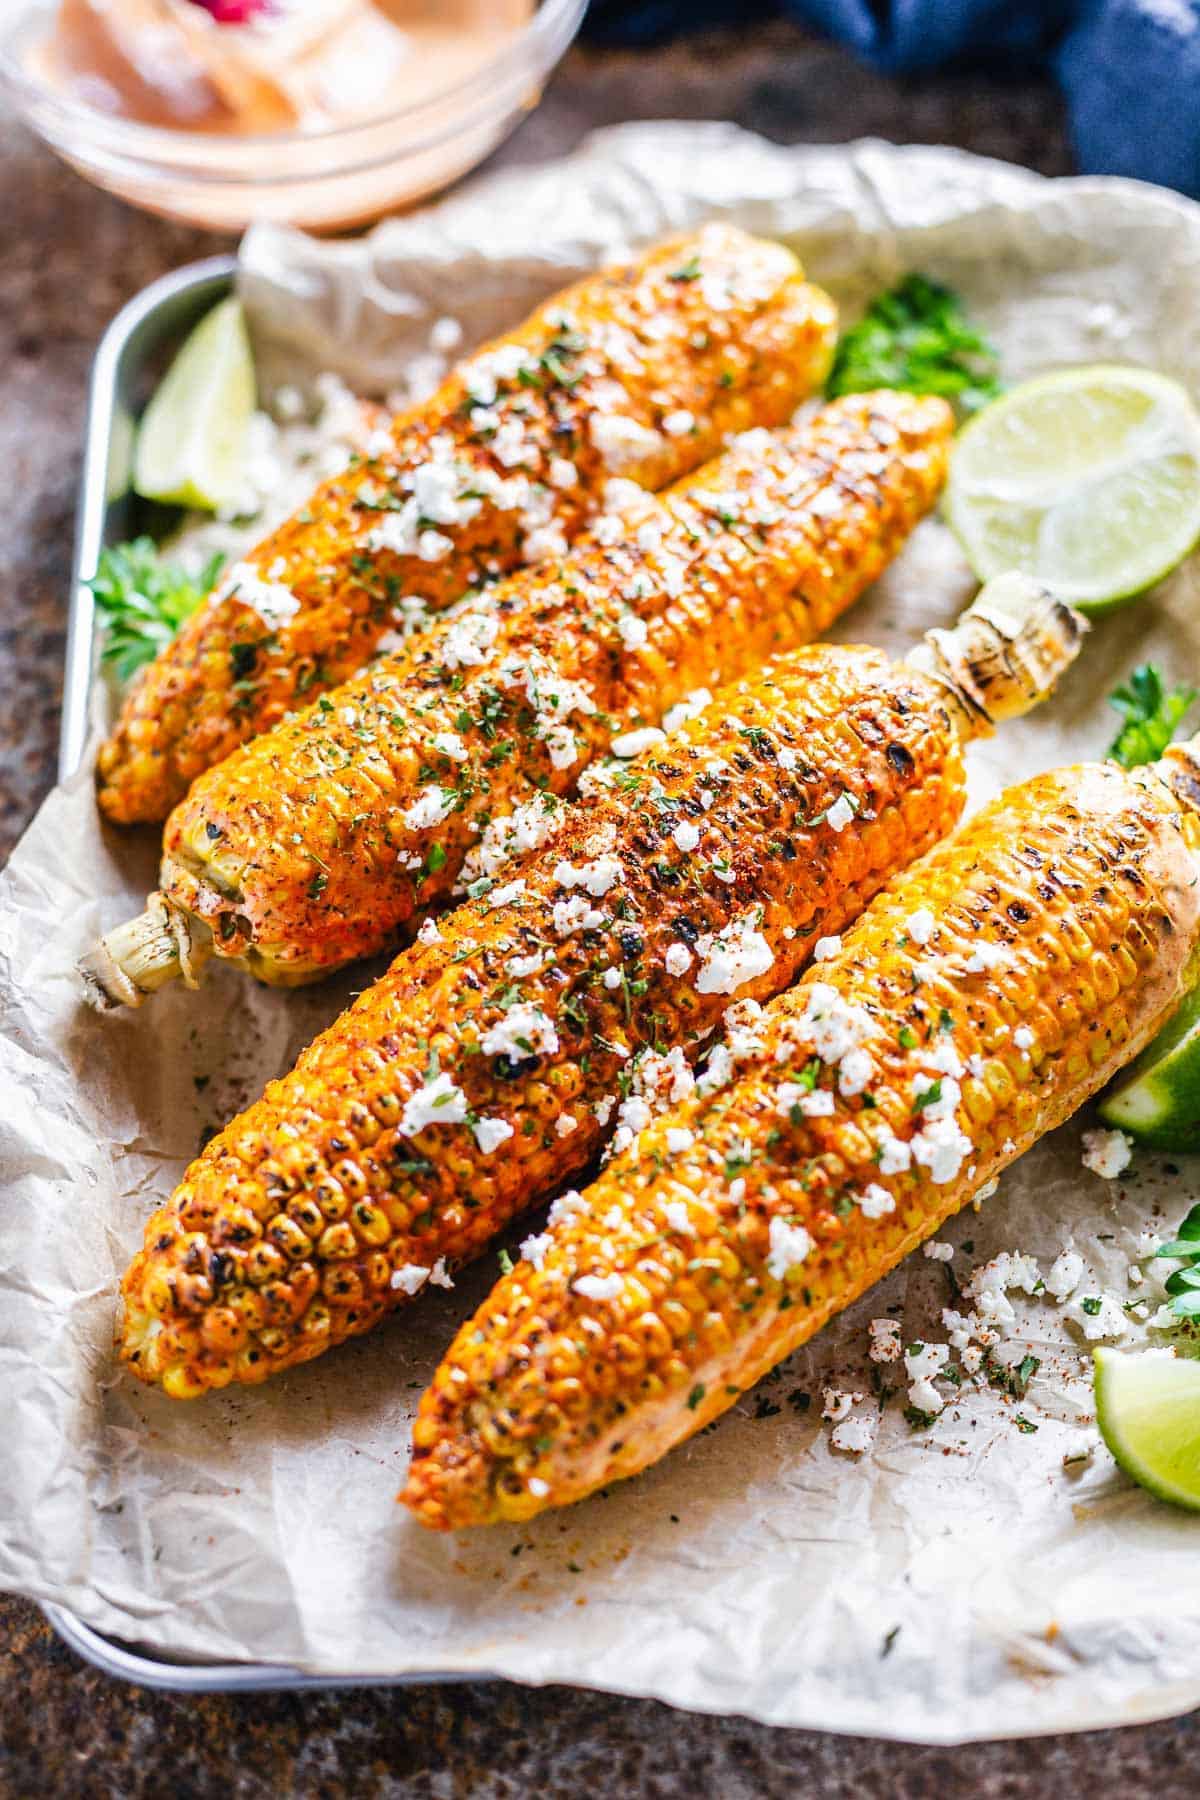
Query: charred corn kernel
x=320, y=840
x=889, y=1091
x=638, y=372
x=505, y=1040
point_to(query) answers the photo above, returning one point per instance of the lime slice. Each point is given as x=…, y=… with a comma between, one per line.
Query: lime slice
x=1148, y=1411
x=1088, y=480
x=1157, y=1098
x=192, y=441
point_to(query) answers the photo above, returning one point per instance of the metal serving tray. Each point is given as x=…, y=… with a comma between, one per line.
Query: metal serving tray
x=132, y=354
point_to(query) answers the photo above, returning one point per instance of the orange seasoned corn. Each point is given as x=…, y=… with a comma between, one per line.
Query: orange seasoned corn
x=638, y=372
x=522, y=1030
x=975, y=1005
x=319, y=841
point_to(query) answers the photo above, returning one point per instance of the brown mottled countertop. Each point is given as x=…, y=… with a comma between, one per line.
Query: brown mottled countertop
x=68, y=258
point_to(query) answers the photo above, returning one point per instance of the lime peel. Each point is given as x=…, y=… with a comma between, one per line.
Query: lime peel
x=1148, y=1411
x=1088, y=480
x=191, y=446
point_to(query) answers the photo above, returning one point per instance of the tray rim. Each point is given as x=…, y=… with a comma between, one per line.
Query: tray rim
x=214, y=276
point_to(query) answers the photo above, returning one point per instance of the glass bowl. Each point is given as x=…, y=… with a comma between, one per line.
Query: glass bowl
x=323, y=179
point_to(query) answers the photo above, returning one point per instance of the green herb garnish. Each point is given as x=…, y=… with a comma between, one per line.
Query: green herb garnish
x=143, y=600
x=917, y=337
x=1151, y=714
x=1183, y=1284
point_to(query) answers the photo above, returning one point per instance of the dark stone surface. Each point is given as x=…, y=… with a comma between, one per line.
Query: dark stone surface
x=68, y=258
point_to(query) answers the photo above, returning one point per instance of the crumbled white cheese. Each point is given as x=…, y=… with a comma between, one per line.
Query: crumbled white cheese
x=451, y=745
x=563, y=474
x=632, y=743
x=1023, y=1037
x=537, y=1487
x=875, y=1202
x=510, y=835
x=678, y=959
x=596, y=877
x=523, y=1031
x=568, y=1206
x=432, y=805
x=521, y=966
x=686, y=835
x=830, y=1024
x=937, y=1251
x=840, y=813
x=985, y=957
x=577, y=914
x=603, y=1110
x=922, y=1365
x=565, y=1124
x=837, y=1406
x=826, y=948
x=855, y=1071
x=941, y=1148
x=429, y=933
x=504, y=896
x=1098, y=1316
x=1107, y=1153
x=621, y=441
x=491, y=1133
x=921, y=925
x=409, y=1278
x=612, y=979
x=445, y=335
x=853, y=1436
x=467, y=641
x=895, y=1154
x=734, y=956
x=885, y=1340
x=274, y=603
x=632, y=631
x=1066, y=1273
x=810, y=1103
x=790, y=1245
x=534, y=1248
x=679, y=423
x=675, y=1212
x=679, y=1138
x=437, y=1102
x=599, y=1287
x=689, y=708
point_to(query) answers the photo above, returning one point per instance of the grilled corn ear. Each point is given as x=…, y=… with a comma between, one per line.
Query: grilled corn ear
x=978, y=1002
x=319, y=841
x=488, y=1066
x=638, y=372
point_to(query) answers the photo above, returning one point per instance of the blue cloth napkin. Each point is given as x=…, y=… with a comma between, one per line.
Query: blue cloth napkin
x=1130, y=69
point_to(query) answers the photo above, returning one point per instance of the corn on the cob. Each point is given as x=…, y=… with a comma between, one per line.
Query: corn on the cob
x=976, y=1004
x=638, y=372
x=484, y=1069
x=317, y=842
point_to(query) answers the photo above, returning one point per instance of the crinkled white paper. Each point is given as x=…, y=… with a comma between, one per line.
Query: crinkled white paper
x=948, y=1585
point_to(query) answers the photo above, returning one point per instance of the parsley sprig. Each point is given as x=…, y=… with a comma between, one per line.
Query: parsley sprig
x=143, y=600
x=1151, y=714
x=1183, y=1284
x=917, y=337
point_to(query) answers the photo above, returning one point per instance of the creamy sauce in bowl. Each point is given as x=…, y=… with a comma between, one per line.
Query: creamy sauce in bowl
x=294, y=65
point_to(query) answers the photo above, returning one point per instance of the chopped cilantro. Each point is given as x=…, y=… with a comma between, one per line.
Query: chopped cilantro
x=917, y=337
x=143, y=600
x=1151, y=714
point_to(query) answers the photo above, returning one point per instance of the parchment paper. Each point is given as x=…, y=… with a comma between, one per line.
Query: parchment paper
x=949, y=1585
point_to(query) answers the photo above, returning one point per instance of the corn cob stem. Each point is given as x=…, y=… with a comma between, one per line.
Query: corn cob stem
x=974, y=1007
x=489, y=1064
x=161, y=945
x=320, y=841
x=639, y=372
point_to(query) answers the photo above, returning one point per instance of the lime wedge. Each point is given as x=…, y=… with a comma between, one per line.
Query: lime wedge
x=1088, y=480
x=1157, y=1098
x=1148, y=1411
x=192, y=441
